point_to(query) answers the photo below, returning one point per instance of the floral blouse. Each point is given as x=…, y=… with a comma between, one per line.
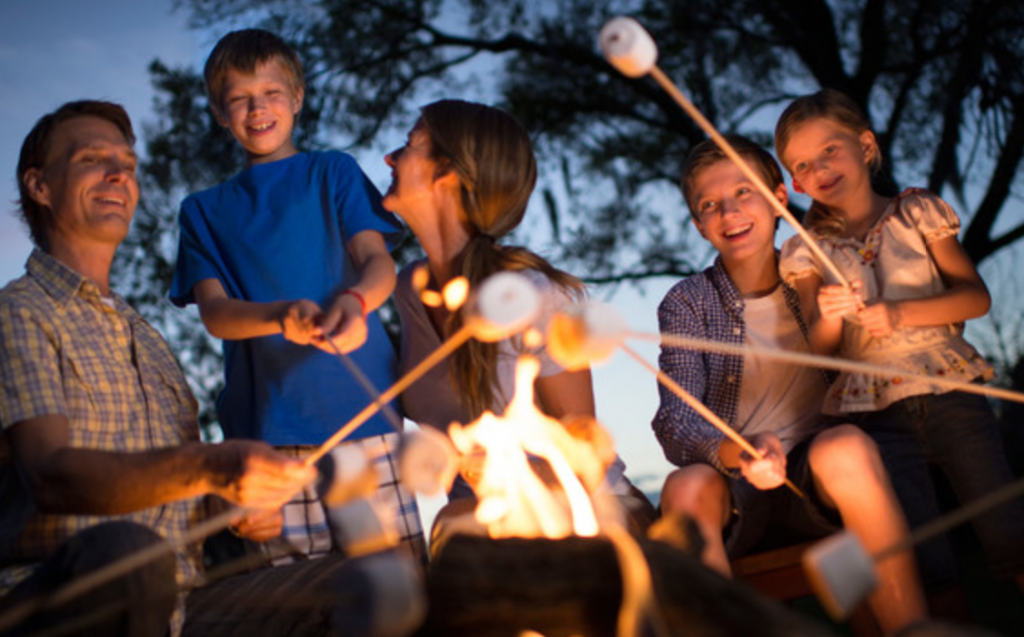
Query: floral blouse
x=893, y=262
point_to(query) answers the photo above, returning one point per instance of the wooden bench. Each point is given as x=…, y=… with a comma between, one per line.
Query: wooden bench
x=779, y=574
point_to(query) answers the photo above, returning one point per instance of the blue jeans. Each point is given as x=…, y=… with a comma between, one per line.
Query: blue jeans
x=957, y=433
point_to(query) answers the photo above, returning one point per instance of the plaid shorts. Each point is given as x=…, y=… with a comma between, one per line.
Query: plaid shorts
x=307, y=532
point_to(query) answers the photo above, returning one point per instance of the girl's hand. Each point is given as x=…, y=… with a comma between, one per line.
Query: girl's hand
x=300, y=322
x=880, y=318
x=837, y=301
x=770, y=471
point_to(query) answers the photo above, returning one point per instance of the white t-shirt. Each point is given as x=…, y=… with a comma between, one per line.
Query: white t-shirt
x=779, y=397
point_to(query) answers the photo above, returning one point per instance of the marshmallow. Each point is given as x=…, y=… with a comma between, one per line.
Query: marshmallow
x=427, y=462
x=628, y=47
x=345, y=474
x=585, y=333
x=841, y=573
x=506, y=304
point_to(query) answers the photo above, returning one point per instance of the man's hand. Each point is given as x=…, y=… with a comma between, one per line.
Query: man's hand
x=252, y=474
x=770, y=471
x=259, y=525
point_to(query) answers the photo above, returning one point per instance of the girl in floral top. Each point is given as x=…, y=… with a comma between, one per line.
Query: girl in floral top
x=912, y=287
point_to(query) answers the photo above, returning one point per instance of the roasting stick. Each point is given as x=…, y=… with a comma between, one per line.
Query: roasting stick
x=589, y=332
x=631, y=50
x=389, y=394
x=507, y=303
x=702, y=409
x=826, y=362
x=368, y=386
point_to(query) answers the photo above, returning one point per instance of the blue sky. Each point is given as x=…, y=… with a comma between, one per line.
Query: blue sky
x=53, y=51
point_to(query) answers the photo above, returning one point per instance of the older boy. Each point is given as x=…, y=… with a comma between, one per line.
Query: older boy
x=291, y=252
x=735, y=499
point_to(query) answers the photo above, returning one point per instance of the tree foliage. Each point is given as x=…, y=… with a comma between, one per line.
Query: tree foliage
x=943, y=82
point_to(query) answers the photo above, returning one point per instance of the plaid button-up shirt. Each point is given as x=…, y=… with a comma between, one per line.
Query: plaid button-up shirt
x=65, y=350
x=703, y=306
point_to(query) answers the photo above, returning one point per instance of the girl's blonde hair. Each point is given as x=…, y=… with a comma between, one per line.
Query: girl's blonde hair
x=840, y=108
x=493, y=158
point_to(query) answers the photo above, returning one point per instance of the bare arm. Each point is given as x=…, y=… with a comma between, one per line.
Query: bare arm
x=234, y=319
x=344, y=321
x=965, y=296
x=72, y=480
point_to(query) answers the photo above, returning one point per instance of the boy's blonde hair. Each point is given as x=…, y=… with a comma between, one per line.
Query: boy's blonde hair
x=243, y=51
x=841, y=109
x=708, y=152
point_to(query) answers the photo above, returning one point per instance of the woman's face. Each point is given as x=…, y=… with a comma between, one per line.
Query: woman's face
x=413, y=173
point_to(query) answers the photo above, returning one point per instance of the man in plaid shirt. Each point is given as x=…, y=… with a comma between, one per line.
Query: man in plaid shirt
x=99, y=452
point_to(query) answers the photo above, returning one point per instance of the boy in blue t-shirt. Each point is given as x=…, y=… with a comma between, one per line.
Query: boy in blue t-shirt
x=288, y=254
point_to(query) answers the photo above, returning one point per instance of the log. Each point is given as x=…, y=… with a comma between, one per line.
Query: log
x=479, y=587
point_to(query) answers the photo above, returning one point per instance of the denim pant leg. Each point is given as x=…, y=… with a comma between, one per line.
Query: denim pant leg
x=964, y=441
x=898, y=432
x=136, y=604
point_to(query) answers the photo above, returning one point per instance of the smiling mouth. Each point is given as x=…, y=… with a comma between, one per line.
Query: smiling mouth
x=117, y=201
x=260, y=128
x=738, y=231
x=832, y=184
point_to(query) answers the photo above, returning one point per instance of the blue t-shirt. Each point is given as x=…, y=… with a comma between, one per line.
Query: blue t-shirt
x=277, y=232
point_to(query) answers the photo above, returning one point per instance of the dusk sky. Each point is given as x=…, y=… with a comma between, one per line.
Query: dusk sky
x=53, y=51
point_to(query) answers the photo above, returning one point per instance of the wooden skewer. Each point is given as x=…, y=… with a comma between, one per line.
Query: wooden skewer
x=745, y=168
x=414, y=374
x=825, y=362
x=706, y=413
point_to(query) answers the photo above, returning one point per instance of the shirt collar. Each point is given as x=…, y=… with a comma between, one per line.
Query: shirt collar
x=726, y=288
x=60, y=281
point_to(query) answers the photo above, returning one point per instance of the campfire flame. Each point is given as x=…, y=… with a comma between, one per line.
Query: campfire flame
x=514, y=500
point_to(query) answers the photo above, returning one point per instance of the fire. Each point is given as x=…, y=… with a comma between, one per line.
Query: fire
x=514, y=500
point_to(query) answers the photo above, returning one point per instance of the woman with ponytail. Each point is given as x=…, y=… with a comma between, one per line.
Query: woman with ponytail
x=461, y=183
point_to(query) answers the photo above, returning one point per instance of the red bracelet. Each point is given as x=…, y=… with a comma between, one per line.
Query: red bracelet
x=359, y=297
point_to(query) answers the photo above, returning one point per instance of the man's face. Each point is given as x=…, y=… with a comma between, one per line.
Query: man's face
x=731, y=213
x=88, y=183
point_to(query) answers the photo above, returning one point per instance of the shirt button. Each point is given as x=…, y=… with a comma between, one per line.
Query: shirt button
x=730, y=379
x=736, y=331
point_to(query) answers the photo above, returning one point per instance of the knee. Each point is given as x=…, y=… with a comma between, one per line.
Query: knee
x=845, y=454
x=699, y=491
